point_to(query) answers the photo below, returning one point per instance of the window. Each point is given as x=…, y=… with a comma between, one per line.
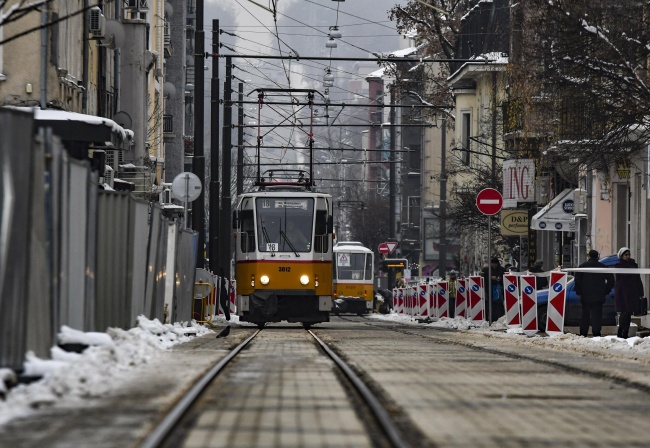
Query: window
x=284, y=224
x=466, y=132
x=247, y=231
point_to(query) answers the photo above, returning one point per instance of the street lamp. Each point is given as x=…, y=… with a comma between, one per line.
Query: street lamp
x=328, y=79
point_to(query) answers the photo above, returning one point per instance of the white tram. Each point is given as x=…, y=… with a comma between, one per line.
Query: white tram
x=353, y=278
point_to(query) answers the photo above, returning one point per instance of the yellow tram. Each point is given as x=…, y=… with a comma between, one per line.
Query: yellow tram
x=353, y=278
x=283, y=257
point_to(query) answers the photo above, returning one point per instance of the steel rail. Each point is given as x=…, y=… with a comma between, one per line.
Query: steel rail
x=384, y=420
x=172, y=418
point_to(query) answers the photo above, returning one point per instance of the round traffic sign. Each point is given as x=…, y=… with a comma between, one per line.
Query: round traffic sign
x=186, y=186
x=489, y=201
x=383, y=248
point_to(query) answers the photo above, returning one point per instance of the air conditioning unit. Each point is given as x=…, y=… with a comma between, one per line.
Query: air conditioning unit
x=97, y=23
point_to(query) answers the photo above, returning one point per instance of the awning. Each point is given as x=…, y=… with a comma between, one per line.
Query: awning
x=557, y=215
x=98, y=132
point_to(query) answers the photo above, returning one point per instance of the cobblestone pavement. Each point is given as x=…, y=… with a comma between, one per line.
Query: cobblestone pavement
x=453, y=388
x=461, y=392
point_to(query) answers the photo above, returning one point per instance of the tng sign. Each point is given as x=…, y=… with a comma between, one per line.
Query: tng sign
x=518, y=182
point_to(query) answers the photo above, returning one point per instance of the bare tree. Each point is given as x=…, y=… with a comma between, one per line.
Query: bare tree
x=587, y=61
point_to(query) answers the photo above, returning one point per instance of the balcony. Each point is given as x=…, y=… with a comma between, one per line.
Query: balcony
x=168, y=127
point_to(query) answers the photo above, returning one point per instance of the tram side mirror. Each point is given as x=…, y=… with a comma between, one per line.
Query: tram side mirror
x=235, y=220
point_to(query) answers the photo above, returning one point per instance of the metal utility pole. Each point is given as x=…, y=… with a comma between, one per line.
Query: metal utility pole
x=213, y=248
x=392, y=193
x=198, y=161
x=226, y=161
x=442, y=264
x=240, y=140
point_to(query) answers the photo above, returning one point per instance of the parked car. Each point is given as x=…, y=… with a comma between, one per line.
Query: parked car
x=573, y=308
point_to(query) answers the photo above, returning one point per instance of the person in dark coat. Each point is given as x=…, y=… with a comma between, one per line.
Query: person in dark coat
x=224, y=294
x=541, y=282
x=498, y=308
x=627, y=292
x=592, y=289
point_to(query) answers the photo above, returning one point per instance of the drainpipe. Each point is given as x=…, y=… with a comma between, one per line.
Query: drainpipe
x=116, y=64
x=44, y=29
x=84, y=93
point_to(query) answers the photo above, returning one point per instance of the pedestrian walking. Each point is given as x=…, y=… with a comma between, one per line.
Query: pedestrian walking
x=592, y=290
x=628, y=292
x=224, y=294
x=451, y=293
x=541, y=282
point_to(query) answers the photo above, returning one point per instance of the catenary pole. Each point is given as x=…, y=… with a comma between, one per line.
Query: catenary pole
x=213, y=246
x=198, y=160
x=226, y=159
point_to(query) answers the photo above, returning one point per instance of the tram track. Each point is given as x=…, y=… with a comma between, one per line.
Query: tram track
x=382, y=430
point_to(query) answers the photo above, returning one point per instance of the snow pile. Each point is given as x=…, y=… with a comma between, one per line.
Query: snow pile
x=92, y=373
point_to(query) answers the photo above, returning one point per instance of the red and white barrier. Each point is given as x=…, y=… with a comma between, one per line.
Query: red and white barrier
x=528, y=294
x=511, y=300
x=396, y=300
x=433, y=300
x=423, y=301
x=461, y=298
x=413, y=308
x=395, y=296
x=443, y=299
x=556, y=304
x=233, y=296
x=476, y=311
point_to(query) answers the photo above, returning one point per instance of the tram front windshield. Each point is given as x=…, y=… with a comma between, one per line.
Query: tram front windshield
x=285, y=224
x=350, y=266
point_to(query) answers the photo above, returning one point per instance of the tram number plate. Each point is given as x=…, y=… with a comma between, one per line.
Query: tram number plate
x=284, y=269
x=272, y=247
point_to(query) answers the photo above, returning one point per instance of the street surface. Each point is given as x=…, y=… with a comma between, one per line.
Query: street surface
x=444, y=388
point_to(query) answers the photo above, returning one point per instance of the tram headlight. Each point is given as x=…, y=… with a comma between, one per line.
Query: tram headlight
x=316, y=280
x=264, y=279
x=253, y=281
x=304, y=280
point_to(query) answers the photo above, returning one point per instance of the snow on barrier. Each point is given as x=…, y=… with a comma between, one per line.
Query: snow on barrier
x=443, y=299
x=556, y=304
x=461, y=298
x=511, y=297
x=423, y=301
x=528, y=291
x=476, y=302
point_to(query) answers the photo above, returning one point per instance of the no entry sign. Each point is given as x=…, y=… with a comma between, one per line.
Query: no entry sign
x=489, y=201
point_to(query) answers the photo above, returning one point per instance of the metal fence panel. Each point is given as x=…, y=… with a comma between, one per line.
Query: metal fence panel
x=15, y=173
x=156, y=265
x=112, y=249
x=74, y=302
x=184, y=275
x=161, y=271
x=138, y=241
x=170, y=273
x=40, y=333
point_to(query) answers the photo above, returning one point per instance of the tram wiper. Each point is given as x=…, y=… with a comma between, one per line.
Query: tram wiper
x=284, y=235
x=267, y=239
